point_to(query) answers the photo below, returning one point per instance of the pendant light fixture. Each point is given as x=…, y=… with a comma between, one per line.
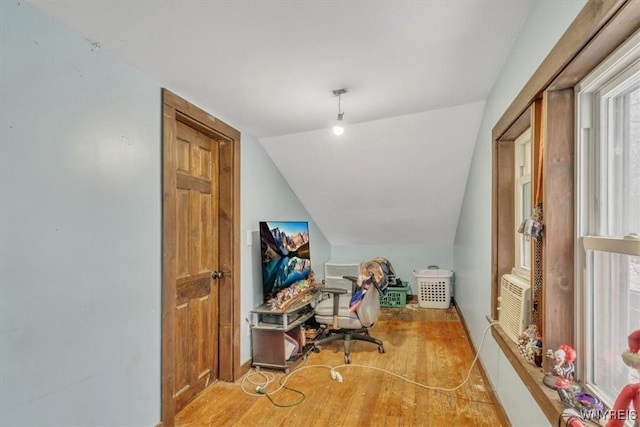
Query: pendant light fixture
x=338, y=127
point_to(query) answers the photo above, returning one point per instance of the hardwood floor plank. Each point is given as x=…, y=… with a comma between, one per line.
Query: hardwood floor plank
x=428, y=346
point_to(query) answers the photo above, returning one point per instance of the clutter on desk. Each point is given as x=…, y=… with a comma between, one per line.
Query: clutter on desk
x=302, y=290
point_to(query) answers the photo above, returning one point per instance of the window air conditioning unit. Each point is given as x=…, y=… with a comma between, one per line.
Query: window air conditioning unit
x=515, y=305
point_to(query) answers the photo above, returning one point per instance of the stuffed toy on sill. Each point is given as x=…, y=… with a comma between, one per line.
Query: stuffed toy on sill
x=564, y=356
x=630, y=394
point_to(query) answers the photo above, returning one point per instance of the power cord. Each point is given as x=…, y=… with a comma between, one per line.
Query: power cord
x=475, y=359
x=267, y=379
x=261, y=388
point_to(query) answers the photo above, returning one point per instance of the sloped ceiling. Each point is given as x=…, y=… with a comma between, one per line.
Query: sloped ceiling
x=418, y=73
x=392, y=181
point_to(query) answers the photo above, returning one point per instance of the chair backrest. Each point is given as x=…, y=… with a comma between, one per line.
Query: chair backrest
x=369, y=309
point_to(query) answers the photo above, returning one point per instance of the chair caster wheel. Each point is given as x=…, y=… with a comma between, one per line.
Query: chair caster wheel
x=347, y=359
x=316, y=349
x=381, y=349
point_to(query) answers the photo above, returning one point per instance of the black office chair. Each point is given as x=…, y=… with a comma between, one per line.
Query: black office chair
x=349, y=315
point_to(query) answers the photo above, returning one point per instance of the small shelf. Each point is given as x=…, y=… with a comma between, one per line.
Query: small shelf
x=268, y=330
x=298, y=321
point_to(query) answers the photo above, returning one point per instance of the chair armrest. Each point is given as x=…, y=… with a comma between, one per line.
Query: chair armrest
x=336, y=292
x=354, y=282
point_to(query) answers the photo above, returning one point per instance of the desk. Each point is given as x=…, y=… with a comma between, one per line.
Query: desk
x=268, y=329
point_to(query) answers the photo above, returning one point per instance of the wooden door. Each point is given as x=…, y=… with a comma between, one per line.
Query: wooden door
x=196, y=305
x=200, y=271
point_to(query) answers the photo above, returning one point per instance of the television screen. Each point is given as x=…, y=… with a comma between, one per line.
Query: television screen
x=285, y=255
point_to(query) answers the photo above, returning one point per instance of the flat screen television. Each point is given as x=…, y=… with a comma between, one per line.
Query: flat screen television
x=285, y=255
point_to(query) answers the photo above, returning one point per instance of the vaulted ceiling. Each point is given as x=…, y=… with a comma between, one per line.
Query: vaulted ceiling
x=418, y=73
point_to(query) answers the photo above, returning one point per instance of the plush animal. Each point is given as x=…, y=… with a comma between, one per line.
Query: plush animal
x=630, y=394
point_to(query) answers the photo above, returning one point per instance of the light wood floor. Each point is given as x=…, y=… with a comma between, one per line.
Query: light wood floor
x=427, y=346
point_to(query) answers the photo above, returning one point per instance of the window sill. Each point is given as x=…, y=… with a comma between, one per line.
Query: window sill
x=546, y=398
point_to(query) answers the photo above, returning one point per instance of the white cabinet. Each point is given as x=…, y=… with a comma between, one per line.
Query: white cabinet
x=335, y=269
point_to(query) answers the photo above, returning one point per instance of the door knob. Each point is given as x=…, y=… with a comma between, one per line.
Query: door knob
x=220, y=274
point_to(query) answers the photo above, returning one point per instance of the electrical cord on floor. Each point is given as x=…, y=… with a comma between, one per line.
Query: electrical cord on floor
x=283, y=405
x=269, y=378
x=475, y=359
x=261, y=387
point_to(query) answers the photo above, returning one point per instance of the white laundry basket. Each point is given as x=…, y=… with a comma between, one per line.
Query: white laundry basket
x=434, y=287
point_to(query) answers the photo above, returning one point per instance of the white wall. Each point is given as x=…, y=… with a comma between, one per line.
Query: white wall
x=80, y=225
x=472, y=250
x=80, y=229
x=266, y=196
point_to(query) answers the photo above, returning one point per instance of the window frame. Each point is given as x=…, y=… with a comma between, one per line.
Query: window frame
x=607, y=80
x=523, y=159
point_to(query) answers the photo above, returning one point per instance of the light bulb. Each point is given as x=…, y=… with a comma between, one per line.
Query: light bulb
x=338, y=128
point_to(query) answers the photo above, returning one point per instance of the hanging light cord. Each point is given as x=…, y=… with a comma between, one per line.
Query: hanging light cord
x=339, y=93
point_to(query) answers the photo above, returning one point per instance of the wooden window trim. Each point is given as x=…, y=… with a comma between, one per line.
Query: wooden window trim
x=546, y=103
x=600, y=27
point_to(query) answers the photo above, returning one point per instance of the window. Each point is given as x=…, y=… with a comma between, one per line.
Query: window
x=522, y=207
x=608, y=216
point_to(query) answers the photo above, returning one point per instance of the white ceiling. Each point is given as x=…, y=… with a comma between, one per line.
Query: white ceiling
x=418, y=73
